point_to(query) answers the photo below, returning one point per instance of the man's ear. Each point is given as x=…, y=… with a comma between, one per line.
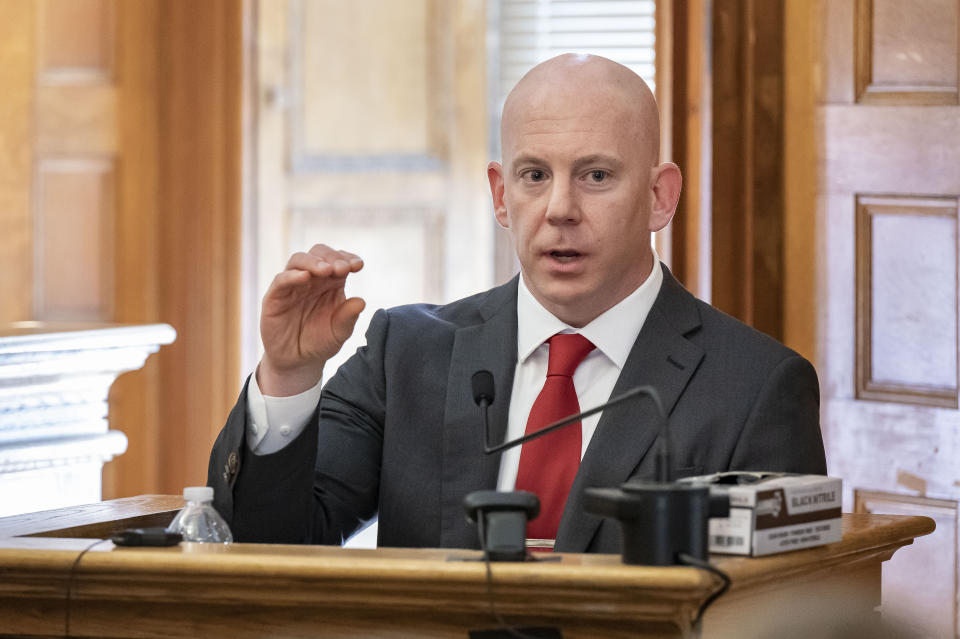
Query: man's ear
x=665, y=186
x=495, y=176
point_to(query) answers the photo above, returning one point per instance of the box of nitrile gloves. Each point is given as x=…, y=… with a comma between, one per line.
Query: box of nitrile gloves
x=774, y=512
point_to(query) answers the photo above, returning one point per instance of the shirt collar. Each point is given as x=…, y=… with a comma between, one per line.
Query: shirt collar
x=613, y=332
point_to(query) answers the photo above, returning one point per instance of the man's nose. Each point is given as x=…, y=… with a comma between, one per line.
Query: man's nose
x=562, y=208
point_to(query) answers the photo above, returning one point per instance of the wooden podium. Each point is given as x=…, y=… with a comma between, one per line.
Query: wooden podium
x=250, y=590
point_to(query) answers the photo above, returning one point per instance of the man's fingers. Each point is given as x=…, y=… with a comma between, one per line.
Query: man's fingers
x=323, y=261
x=287, y=281
x=345, y=318
x=355, y=261
x=291, y=285
x=343, y=262
x=312, y=273
x=310, y=263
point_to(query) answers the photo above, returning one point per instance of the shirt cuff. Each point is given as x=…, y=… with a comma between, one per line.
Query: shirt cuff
x=276, y=421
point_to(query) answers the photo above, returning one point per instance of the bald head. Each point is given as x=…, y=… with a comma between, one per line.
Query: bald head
x=572, y=85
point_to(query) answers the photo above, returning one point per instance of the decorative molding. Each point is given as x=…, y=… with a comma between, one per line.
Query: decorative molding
x=869, y=92
x=54, y=382
x=862, y=499
x=97, y=449
x=301, y=162
x=862, y=47
x=46, y=337
x=867, y=207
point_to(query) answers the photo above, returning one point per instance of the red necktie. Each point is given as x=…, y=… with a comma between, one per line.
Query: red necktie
x=549, y=464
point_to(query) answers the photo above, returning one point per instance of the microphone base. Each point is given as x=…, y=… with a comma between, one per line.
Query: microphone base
x=659, y=521
x=506, y=536
x=502, y=518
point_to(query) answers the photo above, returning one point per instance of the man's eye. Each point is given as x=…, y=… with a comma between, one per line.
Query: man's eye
x=535, y=175
x=598, y=175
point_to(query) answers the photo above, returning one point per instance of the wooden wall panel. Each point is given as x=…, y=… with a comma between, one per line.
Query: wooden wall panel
x=906, y=304
x=384, y=109
x=383, y=118
x=76, y=39
x=17, y=29
x=907, y=52
x=75, y=141
x=73, y=240
x=930, y=560
x=925, y=142
x=886, y=288
x=915, y=45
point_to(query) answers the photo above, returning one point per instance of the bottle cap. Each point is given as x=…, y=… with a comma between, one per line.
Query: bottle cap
x=198, y=493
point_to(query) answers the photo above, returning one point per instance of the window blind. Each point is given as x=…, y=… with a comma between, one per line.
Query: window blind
x=531, y=31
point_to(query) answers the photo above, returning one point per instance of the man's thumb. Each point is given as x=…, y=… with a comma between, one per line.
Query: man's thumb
x=345, y=318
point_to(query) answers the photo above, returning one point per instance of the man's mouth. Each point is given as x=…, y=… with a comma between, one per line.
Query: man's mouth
x=565, y=256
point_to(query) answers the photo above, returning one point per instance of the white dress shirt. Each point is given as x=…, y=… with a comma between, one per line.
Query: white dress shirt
x=276, y=421
x=613, y=333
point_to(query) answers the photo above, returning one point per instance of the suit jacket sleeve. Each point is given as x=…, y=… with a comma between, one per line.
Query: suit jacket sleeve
x=323, y=486
x=782, y=431
x=225, y=458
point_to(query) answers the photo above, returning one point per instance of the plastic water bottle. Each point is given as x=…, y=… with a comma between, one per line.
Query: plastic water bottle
x=199, y=521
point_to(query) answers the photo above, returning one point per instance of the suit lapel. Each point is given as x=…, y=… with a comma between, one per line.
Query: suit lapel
x=661, y=357
x=490, y=345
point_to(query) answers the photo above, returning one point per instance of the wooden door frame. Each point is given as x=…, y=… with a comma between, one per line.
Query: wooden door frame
x=179, y=233
x=728, y=134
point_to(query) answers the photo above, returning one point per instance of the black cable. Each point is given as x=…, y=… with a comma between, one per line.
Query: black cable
x=493, y=608
x=704, y=565
x=73, y=571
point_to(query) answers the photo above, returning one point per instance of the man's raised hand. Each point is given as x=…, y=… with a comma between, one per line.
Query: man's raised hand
x=305, y=319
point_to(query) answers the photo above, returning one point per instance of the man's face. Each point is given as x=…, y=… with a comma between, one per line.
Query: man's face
x=577, y=196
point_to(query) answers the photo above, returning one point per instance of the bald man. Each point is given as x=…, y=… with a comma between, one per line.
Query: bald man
x=395, y=431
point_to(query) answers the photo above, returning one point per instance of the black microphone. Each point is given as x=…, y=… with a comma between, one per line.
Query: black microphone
x=483, y=388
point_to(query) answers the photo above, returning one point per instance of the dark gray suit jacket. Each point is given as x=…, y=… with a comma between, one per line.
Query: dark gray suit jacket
x=397, y=431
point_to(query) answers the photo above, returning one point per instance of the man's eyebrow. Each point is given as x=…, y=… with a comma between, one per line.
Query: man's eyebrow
x=594, y=159
x=526, y=159
x=597, y=160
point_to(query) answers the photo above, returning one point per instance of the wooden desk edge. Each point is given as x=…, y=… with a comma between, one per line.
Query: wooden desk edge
x=863, y=540
x=98, y=520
